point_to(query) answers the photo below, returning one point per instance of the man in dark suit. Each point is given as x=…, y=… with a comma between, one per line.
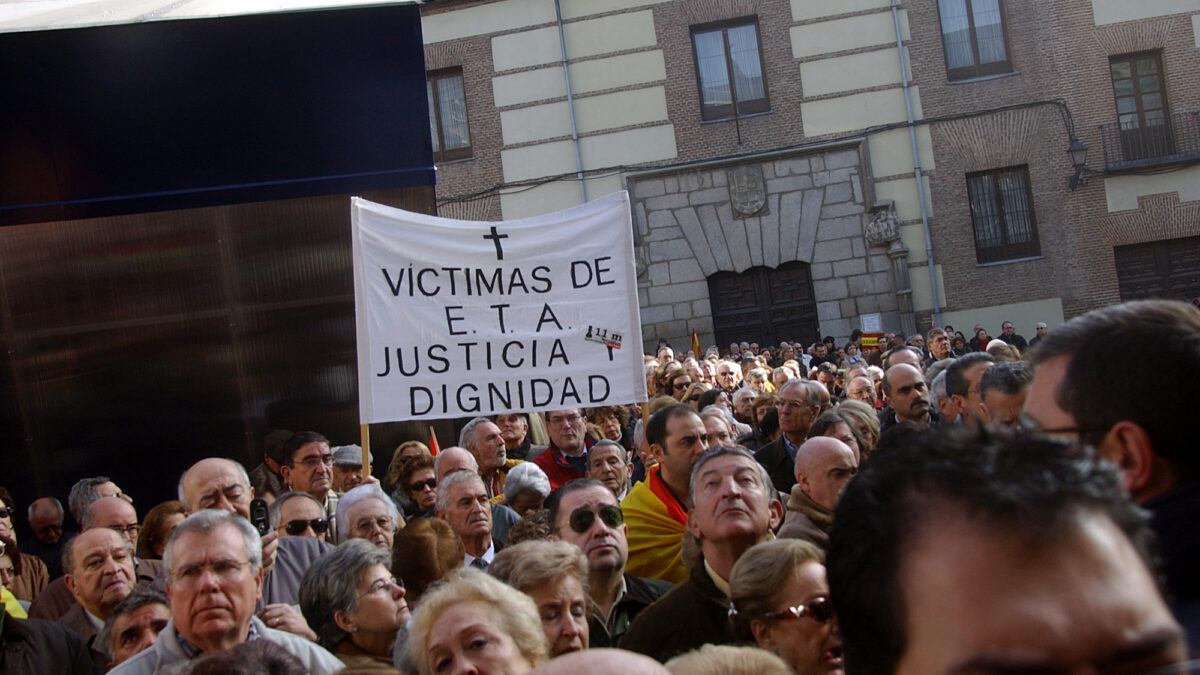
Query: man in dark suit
x=798, y=405
x=100, y=576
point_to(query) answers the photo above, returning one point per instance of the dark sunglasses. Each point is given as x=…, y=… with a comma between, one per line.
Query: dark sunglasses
x=694, y=397
x=820, y=610
x=582, y=519
x=297, y=527
x=5, y=512
x=422, y=484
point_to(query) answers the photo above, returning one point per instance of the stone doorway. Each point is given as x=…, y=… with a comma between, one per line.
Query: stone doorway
x=764, y=305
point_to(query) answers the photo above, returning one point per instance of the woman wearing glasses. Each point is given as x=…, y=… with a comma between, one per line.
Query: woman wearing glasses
x=554, y=574
x=416, y=487
x=355, y=605
x=779, y=598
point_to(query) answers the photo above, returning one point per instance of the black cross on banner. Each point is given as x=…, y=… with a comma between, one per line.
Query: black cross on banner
x=496, y=237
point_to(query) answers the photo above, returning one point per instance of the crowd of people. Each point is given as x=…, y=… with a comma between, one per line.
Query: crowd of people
x=930, y=504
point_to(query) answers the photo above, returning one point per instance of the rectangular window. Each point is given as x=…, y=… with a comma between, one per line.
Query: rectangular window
x=448, y=115
x=1141, y=105
x=1002, y=214
x=974, y=38
x=729, y=69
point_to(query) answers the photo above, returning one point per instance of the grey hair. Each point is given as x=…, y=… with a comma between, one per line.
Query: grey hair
x=33, y=508
x=83, y=492
x=466, y=437
x=722, y=451
x=277, y=506
x=205, y=522
x=140, y=597
x=802, y=384
x=183, y=496
x=449, y=481
x=720, y=412
x=937, y=389
x=526, y=477
x=358, y=494
x=330, y=585
x=746, y=391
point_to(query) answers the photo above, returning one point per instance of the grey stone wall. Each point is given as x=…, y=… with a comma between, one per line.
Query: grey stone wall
x=814, y=212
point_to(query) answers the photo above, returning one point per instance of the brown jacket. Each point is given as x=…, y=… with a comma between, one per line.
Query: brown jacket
x=806, y=520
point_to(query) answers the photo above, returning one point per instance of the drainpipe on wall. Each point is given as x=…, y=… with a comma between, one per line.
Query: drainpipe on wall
x=912, y=135
x=562, y=44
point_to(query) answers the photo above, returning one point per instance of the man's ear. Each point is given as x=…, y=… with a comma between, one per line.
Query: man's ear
x=657, y=452
x=777, y=511
x=69, y=580
x=693, y=525
x=285, y=470
x=1128, y=446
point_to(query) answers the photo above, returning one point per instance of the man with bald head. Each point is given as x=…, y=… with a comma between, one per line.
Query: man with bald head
x=905, y=391
x=45, y=518
x=862, y=388
x=99, y=564
x=110, y=513
x=454, y=459
x=218, y=483
x=823, y=467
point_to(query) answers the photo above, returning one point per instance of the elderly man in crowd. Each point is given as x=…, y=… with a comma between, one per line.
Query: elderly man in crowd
x=798, y=405
x=1070, y=585
x=733, y=507
x=309, y=468
x=1086, y=390
x=112, y=513
x=45, y=518
x=585, y=513
x=214, y=578
x=298, y=514
x=514, y=429
x=462, y=501
x=656, y=507
x=87, y=490
x=1009, y=335
x=566, y=457
x=99, y=574
x=823, y=466
x=134, y=624
x=939, y=347
x=347, y=467
x=483, y=440
x=609, y=464
x=862, y=388
x=454, y=459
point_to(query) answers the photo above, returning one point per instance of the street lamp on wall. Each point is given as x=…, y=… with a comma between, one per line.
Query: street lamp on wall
x=1078, y=152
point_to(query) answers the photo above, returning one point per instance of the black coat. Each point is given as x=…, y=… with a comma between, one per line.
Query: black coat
x=692, y=614
x=41, y=648
x=779, y=464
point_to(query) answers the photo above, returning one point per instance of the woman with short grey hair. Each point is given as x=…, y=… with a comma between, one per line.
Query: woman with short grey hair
x=526, y=488
x=367, y=512
x=353, y=603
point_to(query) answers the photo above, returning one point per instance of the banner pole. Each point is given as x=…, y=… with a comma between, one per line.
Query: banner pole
x=364, y=431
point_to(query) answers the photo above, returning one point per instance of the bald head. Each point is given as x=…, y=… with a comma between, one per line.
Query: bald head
x=453, y=459
x=823, y=467
x=46, y=518
x=216, y=483
x=115, y=514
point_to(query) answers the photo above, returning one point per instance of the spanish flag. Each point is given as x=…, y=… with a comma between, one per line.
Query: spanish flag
x=695, y=344
x=433, y=444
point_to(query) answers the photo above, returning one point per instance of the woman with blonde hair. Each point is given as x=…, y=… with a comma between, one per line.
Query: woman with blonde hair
x=863, y=418
x=555, y=575
x=779, y=598
x=475, y=621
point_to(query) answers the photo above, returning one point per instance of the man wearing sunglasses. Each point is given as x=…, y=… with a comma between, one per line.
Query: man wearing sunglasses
x=585, y=513
x=961, y=552
x=298, y=514
x=1091, y=386
x=733, y=506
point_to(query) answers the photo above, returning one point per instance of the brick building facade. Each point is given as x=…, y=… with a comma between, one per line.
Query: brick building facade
x=754, y=204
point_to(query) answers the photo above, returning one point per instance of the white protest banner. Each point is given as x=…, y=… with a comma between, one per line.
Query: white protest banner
x=460, y=318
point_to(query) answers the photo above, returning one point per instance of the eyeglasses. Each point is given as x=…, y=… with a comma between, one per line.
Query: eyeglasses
x=224, y=570
x=5, y=512
x=559, y=420
x=297, y=527
x=582, y=519
x=1030, y=425
x=786, y=404
x=694, y=397
x=384, y=584
x=421, y=485
x=130, y=531
x=819, y=610
x=312, y=461
x=679, y=386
